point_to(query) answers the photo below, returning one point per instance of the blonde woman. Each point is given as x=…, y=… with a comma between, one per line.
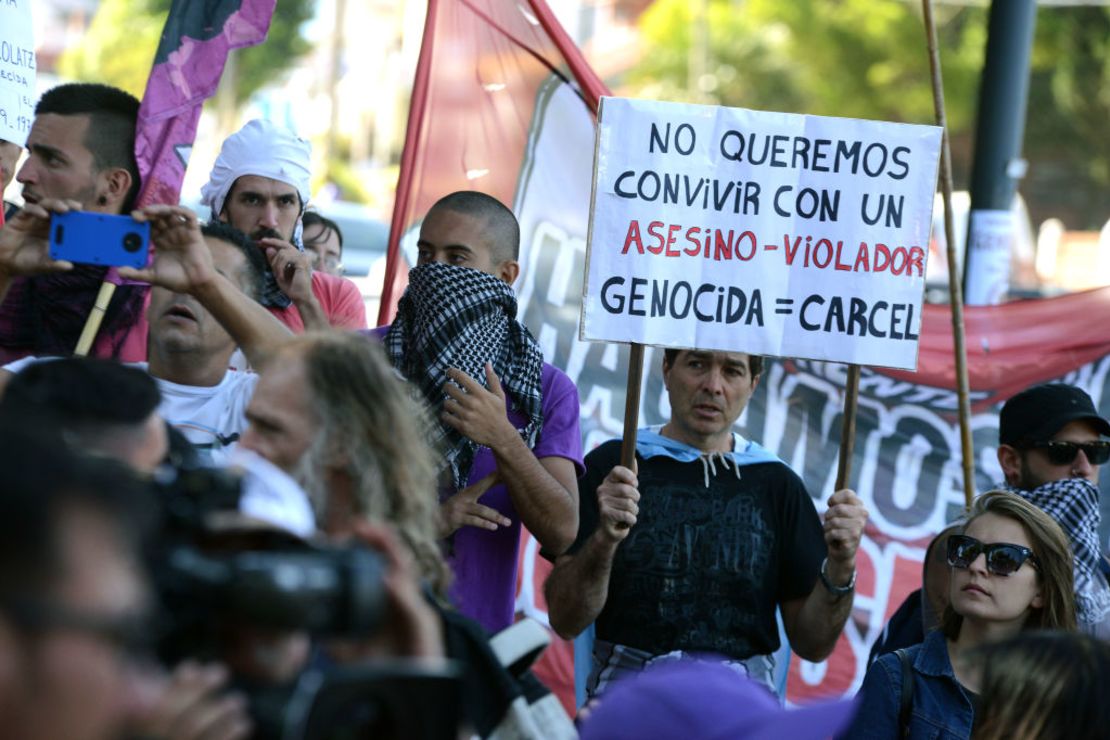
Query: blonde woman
x=1011, y=570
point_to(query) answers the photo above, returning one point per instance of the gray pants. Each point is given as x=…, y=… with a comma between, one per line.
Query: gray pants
x=613, y=662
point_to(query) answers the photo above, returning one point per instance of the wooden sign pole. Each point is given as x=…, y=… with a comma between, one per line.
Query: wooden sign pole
x=848, y=429
x=632, y=405
x=96, y=315
x=955, y=292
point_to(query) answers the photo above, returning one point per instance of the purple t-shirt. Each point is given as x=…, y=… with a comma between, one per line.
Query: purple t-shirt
x=484, y=562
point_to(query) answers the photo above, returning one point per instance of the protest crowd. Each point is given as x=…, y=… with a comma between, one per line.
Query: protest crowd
x=249, y=514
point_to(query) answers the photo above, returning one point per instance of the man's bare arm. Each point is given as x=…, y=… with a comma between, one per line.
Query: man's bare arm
x=578, y=587
x=814, y=623
x=544, y=491
x=257, y=332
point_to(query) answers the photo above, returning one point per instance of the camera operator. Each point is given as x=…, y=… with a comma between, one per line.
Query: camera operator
x=111, y=410
x=330, y=411
x=73, y=597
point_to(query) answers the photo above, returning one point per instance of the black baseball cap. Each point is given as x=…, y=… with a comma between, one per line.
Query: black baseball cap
x=1036, y=414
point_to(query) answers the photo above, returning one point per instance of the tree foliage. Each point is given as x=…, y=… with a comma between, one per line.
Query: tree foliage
x=855, y=58
x=1072, y=68
x=868, y=59
x=119, y=46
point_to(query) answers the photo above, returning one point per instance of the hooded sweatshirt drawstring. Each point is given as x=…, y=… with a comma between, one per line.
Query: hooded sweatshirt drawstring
x=708, y=464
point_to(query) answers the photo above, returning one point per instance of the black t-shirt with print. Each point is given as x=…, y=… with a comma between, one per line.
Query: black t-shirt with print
x=704, y=567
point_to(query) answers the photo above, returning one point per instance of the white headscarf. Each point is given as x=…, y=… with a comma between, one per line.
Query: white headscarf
x=263, y=149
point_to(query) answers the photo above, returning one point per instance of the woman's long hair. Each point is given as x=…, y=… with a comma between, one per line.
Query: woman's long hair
x=1054, y=562
x=1047, y=685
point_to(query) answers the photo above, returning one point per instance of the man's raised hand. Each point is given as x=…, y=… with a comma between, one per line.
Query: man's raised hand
x=292, y=268
x=475, y=412
x=844, y=523
x=412, y=628
x=182, y=262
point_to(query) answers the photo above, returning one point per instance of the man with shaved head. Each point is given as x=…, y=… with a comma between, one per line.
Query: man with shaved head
x=507, y=422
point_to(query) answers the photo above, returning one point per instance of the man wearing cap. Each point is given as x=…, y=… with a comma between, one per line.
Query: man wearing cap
x=260, y=185
x=1050, y=445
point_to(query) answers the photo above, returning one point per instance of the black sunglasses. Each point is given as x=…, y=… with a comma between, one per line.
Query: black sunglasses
x=1003, y=559
x=1064, y=453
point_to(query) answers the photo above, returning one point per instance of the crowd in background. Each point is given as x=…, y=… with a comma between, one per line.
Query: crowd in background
x=250, y=514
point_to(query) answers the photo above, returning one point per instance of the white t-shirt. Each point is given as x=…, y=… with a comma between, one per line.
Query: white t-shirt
x=211, y=417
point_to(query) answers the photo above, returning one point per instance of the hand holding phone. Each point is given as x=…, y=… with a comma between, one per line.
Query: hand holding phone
x=25, y=240
x=182, y=262
x=99, y=239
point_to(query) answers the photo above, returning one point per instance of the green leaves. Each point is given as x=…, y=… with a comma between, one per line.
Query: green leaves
x=868, y=59
x=119, y=46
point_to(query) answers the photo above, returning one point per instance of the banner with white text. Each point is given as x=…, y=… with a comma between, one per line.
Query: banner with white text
x=772, y=233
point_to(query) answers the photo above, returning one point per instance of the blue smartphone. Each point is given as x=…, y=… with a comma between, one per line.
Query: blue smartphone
x=99, y=239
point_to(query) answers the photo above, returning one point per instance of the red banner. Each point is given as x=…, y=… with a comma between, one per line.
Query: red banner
x=482, y=65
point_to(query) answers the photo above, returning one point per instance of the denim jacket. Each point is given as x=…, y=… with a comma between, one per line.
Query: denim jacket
x=941, y=708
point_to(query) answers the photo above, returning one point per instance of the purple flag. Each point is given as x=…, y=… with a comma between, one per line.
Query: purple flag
x=187, y=68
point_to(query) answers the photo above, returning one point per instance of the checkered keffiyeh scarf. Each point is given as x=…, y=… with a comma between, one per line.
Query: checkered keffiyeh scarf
x=272, y=295
x=462, y=318
x=1073, y=503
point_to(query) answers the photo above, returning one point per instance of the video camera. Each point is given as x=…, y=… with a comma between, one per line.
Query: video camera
x=214, y=567
x=214, y=564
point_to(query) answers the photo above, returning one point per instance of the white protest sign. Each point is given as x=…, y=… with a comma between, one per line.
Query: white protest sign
x=769, y=233
x=17, y=70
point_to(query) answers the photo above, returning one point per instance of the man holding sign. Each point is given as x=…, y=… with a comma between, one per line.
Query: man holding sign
x=693, y=552
x=741, y=231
